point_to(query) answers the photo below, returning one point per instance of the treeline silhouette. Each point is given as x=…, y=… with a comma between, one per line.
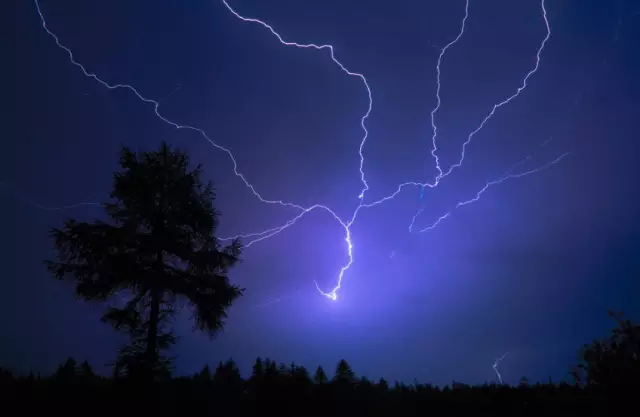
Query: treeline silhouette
x=160, y=249
x=290, y=390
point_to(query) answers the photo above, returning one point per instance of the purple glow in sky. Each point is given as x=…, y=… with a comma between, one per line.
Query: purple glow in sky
x=252, y=238
x=346, y=142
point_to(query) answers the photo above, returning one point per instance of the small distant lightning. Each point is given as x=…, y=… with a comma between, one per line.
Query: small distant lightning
x=42, y=207
x=495, y=366
x=251, y=238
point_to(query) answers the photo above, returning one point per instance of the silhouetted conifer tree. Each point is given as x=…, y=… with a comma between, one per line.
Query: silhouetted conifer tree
x=344, y=374
x=67, y=371
x=320, y=377
x=258, y=369
x=383, y=384
x=271, y=369
x=205, y=374
x=86, y=371
x=160, y=245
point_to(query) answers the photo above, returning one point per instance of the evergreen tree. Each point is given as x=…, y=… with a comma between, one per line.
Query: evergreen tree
x=67, y=371
x=205, y=374
x=160, y=245
x=344, y=373
x=320, y=377
x=86, y=371
x=258, y=369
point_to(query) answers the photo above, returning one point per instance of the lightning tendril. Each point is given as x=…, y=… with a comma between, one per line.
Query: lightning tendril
x=495, y=366
x=250, y=239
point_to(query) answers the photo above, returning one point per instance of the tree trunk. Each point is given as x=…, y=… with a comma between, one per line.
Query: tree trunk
x=152, y=354
x=152, y=336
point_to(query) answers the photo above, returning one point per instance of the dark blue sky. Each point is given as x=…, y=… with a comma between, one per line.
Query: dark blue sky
x=530, y=269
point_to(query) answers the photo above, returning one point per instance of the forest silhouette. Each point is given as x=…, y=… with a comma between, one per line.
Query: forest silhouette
x=159, y=254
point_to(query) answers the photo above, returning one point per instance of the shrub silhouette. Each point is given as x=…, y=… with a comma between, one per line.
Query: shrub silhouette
x=612, y=363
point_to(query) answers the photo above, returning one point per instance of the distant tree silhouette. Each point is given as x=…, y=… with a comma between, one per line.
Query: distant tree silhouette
x=612, y=363
x=320, y=377
x=258, y=370
x=160, y=246
x=289, y=392
x=300, y=374
x=204, y=375
x=383, y=383
x=344, y=373
x=86, y=371
x=5, y=375
x=66, y=371
x=270, y=370
x=227, y=374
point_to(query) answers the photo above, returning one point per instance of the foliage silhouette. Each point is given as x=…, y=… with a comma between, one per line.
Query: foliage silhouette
x=611, y=369
x=289, y=391
x=284, y=390
x=159, y=246
x=614, y=362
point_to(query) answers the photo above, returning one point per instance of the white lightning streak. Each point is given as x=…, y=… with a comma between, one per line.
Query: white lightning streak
x=434, y=149
x=47, y=208
x=156, y=106
x=339, y=64
x=510, y=98
x=260, y=236
x=490, y=184
x=495, y=366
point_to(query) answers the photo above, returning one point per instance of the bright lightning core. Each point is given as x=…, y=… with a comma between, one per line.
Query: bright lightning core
x=252, y=238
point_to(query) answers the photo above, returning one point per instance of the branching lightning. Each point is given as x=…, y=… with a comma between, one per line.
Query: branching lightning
x=434, y=148
x=252, y=238
x=511, y=97
x=339, y=64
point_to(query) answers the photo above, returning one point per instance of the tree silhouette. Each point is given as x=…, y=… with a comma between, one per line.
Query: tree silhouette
x=344, y=374
x=383, y=384
x=160, y=246
x=86, y=371
x=612, y=363
x=320, y=377
x=270, y=369
x=291, y=393
x=204, y=375
x=258, y=370
x=67, y=371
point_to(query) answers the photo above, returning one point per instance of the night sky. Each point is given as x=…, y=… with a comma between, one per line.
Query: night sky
x=529, y=269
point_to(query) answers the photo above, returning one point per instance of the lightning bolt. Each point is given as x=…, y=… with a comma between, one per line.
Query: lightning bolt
x=504, y=102
x=511, y=97
x=156, y=110
x=252, y=238
x=495, y=366
x=491, y=184
x=434, y=149
x=43, y=207
x=339, y=64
